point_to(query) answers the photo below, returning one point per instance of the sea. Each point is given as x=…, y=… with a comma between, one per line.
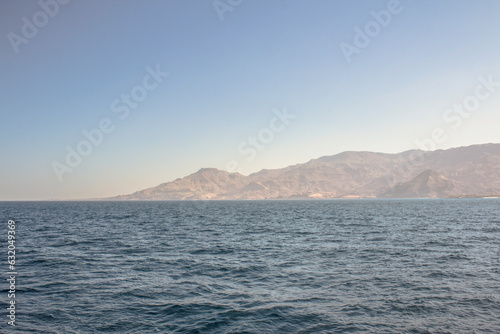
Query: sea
x=301, y=266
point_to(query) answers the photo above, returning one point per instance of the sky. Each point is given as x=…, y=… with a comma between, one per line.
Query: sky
x=102, y=98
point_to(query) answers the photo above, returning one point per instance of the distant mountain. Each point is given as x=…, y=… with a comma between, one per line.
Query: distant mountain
x=426, y=184
x=463, y=171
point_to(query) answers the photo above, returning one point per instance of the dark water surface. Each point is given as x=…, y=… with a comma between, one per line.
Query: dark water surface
x=360, y=266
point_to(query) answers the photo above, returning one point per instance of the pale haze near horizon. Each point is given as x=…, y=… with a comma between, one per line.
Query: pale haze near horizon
x=227, y=80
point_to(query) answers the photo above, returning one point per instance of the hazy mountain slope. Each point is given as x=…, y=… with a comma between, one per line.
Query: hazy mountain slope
x=427, y=184
x=207, y=183
x=454, y=172
x=475, y=169
x=348, y=173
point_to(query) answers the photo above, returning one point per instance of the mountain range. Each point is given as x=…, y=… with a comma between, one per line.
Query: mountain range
x=472, y=171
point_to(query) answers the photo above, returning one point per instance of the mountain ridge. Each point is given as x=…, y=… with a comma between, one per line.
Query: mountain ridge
x=455, y=172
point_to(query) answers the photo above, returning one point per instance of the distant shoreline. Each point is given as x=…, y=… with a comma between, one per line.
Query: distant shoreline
x=254, y=200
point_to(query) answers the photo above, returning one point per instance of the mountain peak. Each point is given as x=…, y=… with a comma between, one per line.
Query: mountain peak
x=209, y=170
x=429, y=183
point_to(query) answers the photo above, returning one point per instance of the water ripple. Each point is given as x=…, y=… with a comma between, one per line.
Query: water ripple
x=369, y=266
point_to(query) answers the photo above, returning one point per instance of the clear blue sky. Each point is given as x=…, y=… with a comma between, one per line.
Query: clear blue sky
x=225, y=78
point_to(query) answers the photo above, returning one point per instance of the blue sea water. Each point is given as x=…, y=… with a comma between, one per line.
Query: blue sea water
x=340, y=266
